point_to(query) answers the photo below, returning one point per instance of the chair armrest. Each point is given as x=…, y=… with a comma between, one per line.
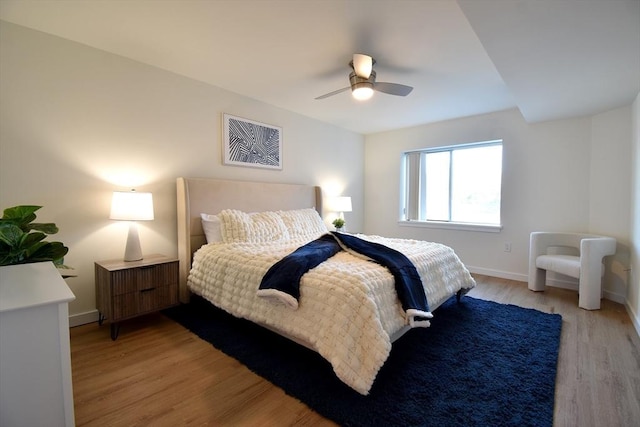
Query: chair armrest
x=593, y=249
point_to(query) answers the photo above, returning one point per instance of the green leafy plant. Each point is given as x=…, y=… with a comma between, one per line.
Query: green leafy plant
x=338, y=223
x=22, y=240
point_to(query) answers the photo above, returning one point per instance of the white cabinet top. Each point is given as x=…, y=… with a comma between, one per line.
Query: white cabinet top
x=31, y=285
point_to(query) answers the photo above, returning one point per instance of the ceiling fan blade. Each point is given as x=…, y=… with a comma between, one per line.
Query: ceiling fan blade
x=393, y=88
x=362, y=65
x=335, y=92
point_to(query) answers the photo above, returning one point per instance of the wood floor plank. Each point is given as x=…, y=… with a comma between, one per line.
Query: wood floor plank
x=158, y=373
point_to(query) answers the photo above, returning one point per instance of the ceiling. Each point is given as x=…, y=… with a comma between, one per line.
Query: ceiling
x=551, y=59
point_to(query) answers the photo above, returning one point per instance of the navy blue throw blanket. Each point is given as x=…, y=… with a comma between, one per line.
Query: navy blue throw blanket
x=282, y=280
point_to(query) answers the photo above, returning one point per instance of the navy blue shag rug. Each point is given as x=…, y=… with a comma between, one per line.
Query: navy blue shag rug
x=480, y=364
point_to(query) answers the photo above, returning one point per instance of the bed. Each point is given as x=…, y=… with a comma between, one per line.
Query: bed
x=348, y=307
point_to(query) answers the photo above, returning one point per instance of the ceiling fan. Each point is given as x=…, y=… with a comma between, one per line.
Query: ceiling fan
x=363, y=81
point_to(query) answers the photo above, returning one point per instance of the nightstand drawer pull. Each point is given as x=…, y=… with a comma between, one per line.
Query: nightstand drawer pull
x=147, y=290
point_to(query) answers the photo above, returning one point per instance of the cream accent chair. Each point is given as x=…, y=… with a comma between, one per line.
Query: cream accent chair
x=587, y=266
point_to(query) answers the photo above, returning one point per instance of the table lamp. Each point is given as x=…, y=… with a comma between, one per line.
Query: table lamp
x=341, y=205
x=132, y=206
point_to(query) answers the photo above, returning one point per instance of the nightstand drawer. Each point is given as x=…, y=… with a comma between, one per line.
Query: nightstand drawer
x=158, y=298
x=167, y=274
x=124, y=282
x=144, y=301
x=142, y=278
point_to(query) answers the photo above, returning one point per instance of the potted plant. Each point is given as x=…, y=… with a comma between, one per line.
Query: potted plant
x=338, y=223
x=22, y=240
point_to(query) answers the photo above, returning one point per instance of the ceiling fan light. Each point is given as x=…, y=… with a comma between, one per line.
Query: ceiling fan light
x=361, y=88
x=362, y=92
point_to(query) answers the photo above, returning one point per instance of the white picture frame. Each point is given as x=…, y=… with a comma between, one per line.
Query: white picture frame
x=252, y=144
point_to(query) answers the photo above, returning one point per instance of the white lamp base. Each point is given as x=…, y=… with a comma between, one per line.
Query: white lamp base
x=133, y=252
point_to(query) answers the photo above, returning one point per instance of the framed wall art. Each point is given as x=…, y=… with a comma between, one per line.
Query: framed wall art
x=250, y=143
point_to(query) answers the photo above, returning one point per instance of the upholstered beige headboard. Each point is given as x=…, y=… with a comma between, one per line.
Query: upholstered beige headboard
x=205, y=195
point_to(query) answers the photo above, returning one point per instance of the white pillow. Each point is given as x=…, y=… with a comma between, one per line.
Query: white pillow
x=257, y=227
x=211, y=227
x=303, y=223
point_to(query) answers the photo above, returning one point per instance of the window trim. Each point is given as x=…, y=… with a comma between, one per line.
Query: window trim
x=456, y=146
x=450, y=225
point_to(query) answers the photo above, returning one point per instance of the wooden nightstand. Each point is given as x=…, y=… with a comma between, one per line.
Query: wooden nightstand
x=127, y=289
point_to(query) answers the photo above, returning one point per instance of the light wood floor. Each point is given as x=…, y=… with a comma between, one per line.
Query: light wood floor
x=157, y=373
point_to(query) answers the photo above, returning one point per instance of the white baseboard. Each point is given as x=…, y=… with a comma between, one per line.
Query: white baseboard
x=635, y=317
x=498, y=273
x=83, y=318
x=556, y=283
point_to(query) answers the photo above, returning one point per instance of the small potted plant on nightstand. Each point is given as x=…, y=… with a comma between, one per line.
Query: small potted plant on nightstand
x=338, y=223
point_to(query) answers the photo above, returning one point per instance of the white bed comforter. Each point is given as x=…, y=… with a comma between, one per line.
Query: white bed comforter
x=348, y=307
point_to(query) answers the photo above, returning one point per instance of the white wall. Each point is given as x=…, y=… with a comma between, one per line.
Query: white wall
x=77, y=123
x=547, y=185
x=633, y=296
x=609, y=189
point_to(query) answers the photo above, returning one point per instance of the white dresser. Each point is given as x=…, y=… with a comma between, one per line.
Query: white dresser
x=35, y=360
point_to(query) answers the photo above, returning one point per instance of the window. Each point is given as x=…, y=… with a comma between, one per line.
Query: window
x=455, y=185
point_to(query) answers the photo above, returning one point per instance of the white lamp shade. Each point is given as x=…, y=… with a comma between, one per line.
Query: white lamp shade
x=131, y=206
x=341, y=204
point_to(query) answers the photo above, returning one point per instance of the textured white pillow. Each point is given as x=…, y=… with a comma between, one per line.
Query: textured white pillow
x=303, y=223
x=257, y=227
